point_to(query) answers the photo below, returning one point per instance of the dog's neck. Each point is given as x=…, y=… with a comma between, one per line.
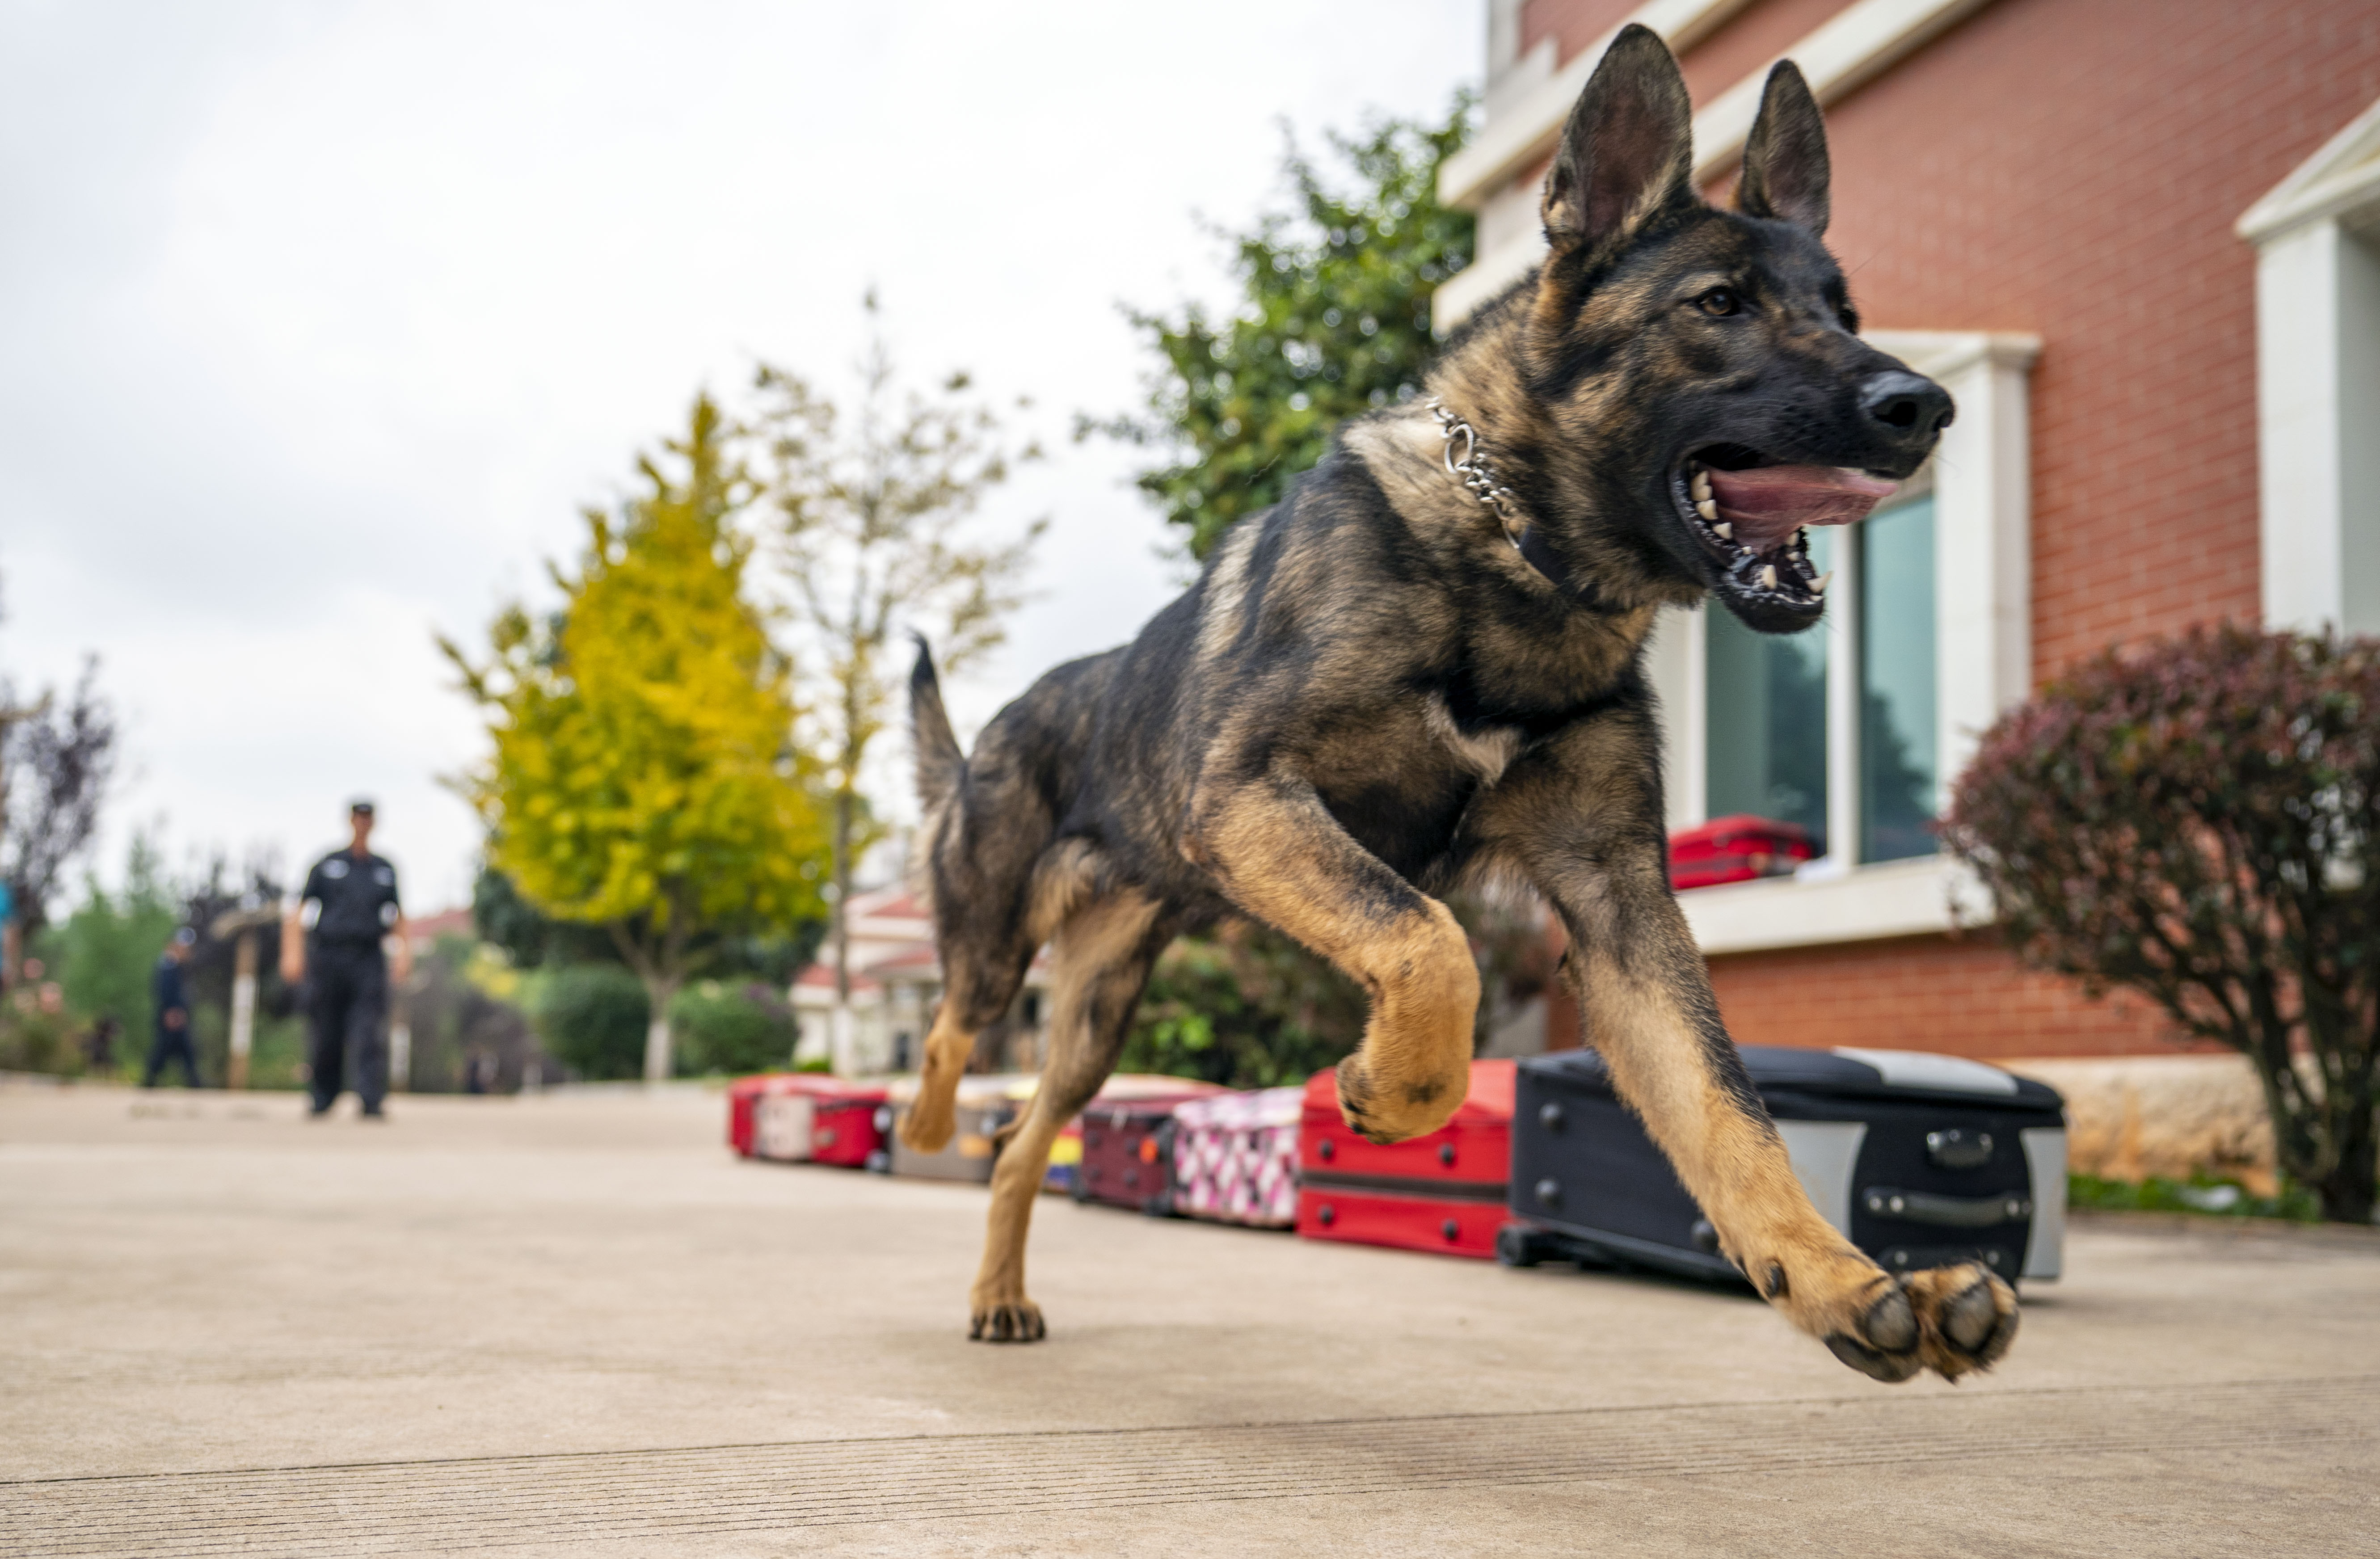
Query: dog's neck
x=1469, y=459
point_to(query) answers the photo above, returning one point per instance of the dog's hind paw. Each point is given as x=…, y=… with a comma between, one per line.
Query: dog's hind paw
x=1014, y=1321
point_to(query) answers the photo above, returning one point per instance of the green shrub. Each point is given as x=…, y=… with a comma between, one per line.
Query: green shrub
x=731, y=1029
x=34, y=1040
x=2193, y=819
x=593, y=1018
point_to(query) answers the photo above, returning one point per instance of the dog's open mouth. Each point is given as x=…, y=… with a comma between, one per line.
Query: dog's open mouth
x=1754, y=517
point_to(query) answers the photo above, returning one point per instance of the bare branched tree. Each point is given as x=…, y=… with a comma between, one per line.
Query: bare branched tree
x=871, y=514
x=55, y=760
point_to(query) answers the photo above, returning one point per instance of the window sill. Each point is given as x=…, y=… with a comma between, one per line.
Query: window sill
x=1898, y=898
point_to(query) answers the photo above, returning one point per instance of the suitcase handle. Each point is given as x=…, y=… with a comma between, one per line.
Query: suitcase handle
x=1947, y=1212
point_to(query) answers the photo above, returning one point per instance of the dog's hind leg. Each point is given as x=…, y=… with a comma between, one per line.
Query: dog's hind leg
x=977, y=987
x=1099, y=960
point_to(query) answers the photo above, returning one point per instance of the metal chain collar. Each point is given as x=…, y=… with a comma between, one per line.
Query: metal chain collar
x=1475, y=471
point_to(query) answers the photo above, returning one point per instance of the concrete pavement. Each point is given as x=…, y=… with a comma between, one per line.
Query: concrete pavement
x=574, y=1323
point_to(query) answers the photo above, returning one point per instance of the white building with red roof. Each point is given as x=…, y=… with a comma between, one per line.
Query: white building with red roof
x=896, y=977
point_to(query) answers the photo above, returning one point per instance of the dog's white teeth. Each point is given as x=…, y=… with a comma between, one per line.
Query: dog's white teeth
x=1768, y=576
x=1702, y=488
x=1725, y=531
x=1819, y=585
x=1706, y=508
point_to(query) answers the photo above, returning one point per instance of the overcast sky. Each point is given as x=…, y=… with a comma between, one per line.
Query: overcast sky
x=318, y=323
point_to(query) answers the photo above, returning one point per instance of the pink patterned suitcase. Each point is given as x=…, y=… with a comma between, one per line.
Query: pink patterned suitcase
x=1236, y=1157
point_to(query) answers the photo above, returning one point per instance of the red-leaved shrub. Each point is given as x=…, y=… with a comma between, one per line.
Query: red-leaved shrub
x=2193, y=820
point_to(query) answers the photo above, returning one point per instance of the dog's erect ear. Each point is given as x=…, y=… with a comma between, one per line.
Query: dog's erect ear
x=1785, y=159
x=1627, y=150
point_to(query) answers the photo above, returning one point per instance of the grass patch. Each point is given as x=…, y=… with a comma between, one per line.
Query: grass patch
x=2201, y=1193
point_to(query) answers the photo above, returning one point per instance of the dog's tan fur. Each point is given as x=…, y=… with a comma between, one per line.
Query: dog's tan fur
x=1371, y=692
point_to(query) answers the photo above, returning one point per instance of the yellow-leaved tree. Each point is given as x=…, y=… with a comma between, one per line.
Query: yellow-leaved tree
x=644, y=777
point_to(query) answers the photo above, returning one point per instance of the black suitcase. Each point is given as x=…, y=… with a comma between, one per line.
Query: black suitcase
x=1921, y=1160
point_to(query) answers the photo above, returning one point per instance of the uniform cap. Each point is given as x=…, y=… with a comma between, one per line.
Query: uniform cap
x=186, y=937
x=360, y=804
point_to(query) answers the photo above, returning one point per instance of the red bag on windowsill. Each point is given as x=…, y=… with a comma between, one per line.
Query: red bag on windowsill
x=1736, y=849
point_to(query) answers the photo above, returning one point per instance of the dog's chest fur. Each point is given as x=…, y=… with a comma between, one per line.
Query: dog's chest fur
x=1486, y=752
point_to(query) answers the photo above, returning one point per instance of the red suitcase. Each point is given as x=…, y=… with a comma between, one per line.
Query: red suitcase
x=742, y=1095
x=1442, y=1192
x=1128, y=1143
x=1736, y=849
x=805, y=1117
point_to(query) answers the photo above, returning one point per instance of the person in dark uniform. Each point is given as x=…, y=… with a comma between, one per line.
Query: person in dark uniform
x=348, y=908
x=173, y=1003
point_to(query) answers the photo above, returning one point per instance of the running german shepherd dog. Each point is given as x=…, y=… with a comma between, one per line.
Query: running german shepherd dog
x=1422, y=669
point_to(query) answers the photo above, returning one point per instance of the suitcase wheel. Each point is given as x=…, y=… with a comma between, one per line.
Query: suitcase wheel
x=1519, y=1246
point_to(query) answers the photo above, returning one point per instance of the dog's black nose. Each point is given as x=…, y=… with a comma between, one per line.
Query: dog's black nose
x=1910, y=405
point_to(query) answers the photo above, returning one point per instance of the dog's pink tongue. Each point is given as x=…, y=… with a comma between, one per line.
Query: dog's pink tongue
x=1767, y=503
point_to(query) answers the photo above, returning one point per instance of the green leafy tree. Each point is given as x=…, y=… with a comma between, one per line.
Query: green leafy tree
x=870, y=514
x=1333, y=321
x=643, y=777
x=104, y=952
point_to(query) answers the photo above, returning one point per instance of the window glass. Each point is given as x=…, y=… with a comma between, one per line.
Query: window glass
x=1896, y=639
x=1767, y=703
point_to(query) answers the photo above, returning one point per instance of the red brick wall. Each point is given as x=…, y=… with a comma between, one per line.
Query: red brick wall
x=1958, y=996
x=1963, y=996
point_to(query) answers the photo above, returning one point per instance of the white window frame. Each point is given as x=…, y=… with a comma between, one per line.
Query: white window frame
x=2317, y=238
x=1980, y=483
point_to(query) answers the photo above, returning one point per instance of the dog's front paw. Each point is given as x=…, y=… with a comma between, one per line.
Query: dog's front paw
x=1006, y=1321
x=1966, y=1318
x=1949, y=1319
x=1397, y=1111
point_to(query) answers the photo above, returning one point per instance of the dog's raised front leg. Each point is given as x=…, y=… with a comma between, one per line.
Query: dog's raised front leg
x=1280, y=854
x=1583, y=819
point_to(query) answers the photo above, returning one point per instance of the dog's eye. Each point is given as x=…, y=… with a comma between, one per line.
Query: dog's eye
x=1720, y=301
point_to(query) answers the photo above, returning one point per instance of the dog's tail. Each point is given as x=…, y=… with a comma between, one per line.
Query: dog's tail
x=940, y=762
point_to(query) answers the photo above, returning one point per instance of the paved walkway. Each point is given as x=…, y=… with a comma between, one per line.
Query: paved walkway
x=575, y=1325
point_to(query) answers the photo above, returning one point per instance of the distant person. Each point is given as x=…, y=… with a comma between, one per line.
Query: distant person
x=173, y=1004
x=349, y=909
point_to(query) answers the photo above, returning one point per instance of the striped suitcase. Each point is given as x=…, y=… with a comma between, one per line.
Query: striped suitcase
x=1236, y=1157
